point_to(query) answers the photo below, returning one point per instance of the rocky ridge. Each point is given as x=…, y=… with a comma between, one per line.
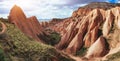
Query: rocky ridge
x=29, y=26
x=96, y=24
x=83, y=31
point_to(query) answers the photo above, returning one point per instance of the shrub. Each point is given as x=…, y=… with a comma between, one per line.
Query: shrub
x=2, y=56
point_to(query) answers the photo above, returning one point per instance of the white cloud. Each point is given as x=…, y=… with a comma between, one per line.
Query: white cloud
x=118, y=1
x=43, y=9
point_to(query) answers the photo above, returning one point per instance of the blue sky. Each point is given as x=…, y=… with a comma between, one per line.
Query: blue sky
x=45, y=9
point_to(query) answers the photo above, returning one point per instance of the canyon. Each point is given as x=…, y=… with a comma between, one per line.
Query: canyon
x=95, y=27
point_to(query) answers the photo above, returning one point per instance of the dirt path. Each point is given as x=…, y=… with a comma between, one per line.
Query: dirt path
x=76, y=58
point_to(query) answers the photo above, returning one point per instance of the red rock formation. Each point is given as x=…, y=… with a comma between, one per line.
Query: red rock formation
x=77, y=41
x=66, y=39
x=95, y=18
x=98, y=49
x=29, y=26
x=81, y=12
x=35, y=29
x=91, y=37
x=87, y=40
x=94, y=23
x=99, y=22
x=81, y=29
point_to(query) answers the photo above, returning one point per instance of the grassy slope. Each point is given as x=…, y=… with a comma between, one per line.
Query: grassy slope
x=19, y=47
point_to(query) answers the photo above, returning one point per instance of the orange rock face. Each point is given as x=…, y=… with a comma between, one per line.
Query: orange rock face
x=97, y=22
x=29, y=26
x=66, y=39
x=77, y=41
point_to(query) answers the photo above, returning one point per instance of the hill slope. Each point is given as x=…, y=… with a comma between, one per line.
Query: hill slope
x=19, y=47
x=92, y=33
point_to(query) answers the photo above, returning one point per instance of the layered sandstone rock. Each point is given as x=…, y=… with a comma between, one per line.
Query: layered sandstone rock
x=98, y=49
x=77, y=41
x=29, y=26
x=66, y=39
x=95, y=19
x=88, y=27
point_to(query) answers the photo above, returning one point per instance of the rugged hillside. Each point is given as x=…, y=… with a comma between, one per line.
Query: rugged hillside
x=86, y=9
x=16, y=46
x=92, y=32
x=29, y=26
x=92, y=29
x=51, y=22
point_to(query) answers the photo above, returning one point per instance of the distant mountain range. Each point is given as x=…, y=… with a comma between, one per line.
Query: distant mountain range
x=44, y=19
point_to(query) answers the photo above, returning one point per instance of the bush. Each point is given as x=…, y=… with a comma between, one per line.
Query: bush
x=55, y=38
x=81, y=52
x=51, y=37
x=2, y=56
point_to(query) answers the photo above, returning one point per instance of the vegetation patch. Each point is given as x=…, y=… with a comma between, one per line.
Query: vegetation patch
x=51, y=37
x=2, y=55
x=19, y=47
x=82, y=52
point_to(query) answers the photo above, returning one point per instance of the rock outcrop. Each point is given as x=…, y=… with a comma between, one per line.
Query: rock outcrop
x=86, y=25
x=98, y=49
x=77, y=41
x=116, y=13
x=29, y=26
x=108, y=23
x=51, y=23
x=66, y=39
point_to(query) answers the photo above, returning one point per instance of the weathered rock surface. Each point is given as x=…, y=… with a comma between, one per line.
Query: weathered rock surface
x=77, y=41
x=99, y=22
x=66, y=39
x=29, y=26
x=116, y=13
x=98, y=49
x=108, y=23
x=88, y=27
